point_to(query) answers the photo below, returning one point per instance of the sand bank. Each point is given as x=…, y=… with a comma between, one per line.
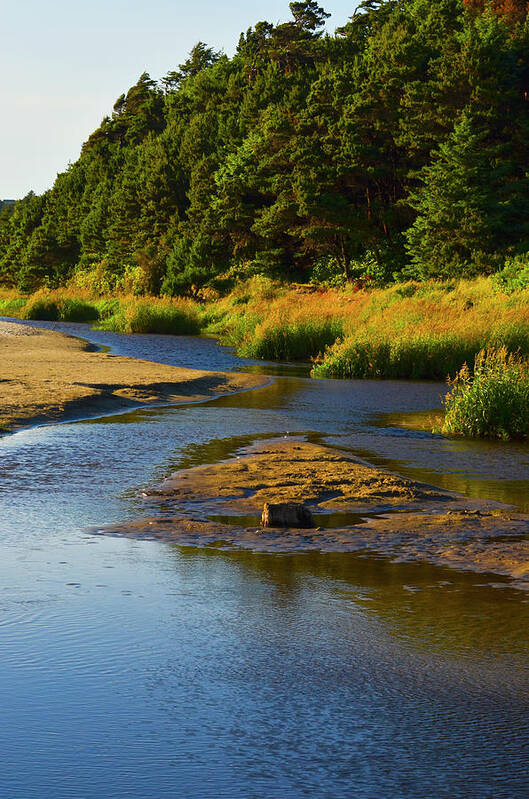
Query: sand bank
x=389, y=515
x=48, y=377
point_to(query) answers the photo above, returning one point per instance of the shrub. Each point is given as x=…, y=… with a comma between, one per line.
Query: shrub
x=327, y=271
x=514, y=276
x=493, y=401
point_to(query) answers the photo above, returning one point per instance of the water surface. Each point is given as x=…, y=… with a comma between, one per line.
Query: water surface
x=141, y=669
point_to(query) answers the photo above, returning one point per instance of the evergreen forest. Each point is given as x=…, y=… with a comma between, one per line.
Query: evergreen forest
x=395, y=149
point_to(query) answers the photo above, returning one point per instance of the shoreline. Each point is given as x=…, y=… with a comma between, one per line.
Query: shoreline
x=37, y=386
x=393, y=516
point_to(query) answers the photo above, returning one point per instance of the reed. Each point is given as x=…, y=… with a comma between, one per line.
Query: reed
x=176, y=317
x=53, y=306
x=492, y=399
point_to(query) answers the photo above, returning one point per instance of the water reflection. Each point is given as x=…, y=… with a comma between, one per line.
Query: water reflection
x=140, y=669
x=427, y=606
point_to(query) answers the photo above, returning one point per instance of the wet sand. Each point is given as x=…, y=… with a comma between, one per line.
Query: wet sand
x=48, y=377
x=395, y=517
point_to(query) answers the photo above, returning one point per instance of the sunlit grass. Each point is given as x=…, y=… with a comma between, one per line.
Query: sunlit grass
x=172, y=317
x=54, y=306
x=124, y=314
x=491, y=400
x=408, y=330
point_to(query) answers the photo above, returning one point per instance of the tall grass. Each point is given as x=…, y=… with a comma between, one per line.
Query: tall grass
x=177, y=318
x=11, y=304
x=56, y=308
x=275, y=322
x=291, y=340
x=422, y=357
x=492, y=400
x=425, y=331
x=124, y=314
x=410, y=330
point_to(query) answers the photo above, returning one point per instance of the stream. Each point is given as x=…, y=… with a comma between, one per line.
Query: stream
x=142, y=669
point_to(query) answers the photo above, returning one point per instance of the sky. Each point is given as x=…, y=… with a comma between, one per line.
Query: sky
x=65, y=62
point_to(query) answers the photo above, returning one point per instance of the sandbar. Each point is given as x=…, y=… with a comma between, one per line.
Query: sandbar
x=390, y=515
x=46, y=376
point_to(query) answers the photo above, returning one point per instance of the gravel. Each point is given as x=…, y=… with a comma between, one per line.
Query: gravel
x=14, y=329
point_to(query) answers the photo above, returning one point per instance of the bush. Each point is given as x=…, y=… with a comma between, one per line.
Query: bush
x=493, y=402
x=514, y=276
x=327, y=271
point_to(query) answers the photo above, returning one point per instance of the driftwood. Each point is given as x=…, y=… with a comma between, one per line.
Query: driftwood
x=287, y=514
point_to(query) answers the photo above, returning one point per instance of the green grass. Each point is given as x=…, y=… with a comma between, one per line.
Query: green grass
x=145, y=317
x=291, y=341
x=67, y=309
x=404, y=331
x=492, y=400
x=368, y=355
x=74, y=310
x=41, y=308
x=122, y=314
x=11, y=306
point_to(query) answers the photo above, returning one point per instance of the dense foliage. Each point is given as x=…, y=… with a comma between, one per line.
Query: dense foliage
x=398, y=146
x=492, y=401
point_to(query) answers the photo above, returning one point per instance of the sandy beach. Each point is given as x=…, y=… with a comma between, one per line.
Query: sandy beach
x=49, y=377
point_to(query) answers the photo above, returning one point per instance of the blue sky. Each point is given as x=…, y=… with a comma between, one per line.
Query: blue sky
x=63, y=64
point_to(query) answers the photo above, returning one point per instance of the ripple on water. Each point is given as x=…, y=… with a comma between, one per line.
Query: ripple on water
x=146, y=670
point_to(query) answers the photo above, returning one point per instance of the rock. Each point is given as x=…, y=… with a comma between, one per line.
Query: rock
x=287, y=514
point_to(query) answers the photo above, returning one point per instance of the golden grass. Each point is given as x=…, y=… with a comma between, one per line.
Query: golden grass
x=408, y=330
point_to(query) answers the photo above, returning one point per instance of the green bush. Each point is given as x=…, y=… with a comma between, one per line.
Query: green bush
x=514, y=276
x=327, y=271
x=493, y=401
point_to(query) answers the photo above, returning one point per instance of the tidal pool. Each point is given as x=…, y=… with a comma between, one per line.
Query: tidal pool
x=134, y=668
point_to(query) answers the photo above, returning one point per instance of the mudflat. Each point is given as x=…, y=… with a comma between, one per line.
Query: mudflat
x=47, y=377
x=370, y=509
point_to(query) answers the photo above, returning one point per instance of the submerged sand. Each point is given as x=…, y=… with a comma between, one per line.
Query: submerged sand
x=47, y=377
x=393, y=516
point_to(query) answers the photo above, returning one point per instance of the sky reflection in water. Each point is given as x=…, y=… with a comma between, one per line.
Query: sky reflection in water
x=140, y=669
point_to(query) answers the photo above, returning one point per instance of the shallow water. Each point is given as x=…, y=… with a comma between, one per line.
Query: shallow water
x=133, y=668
